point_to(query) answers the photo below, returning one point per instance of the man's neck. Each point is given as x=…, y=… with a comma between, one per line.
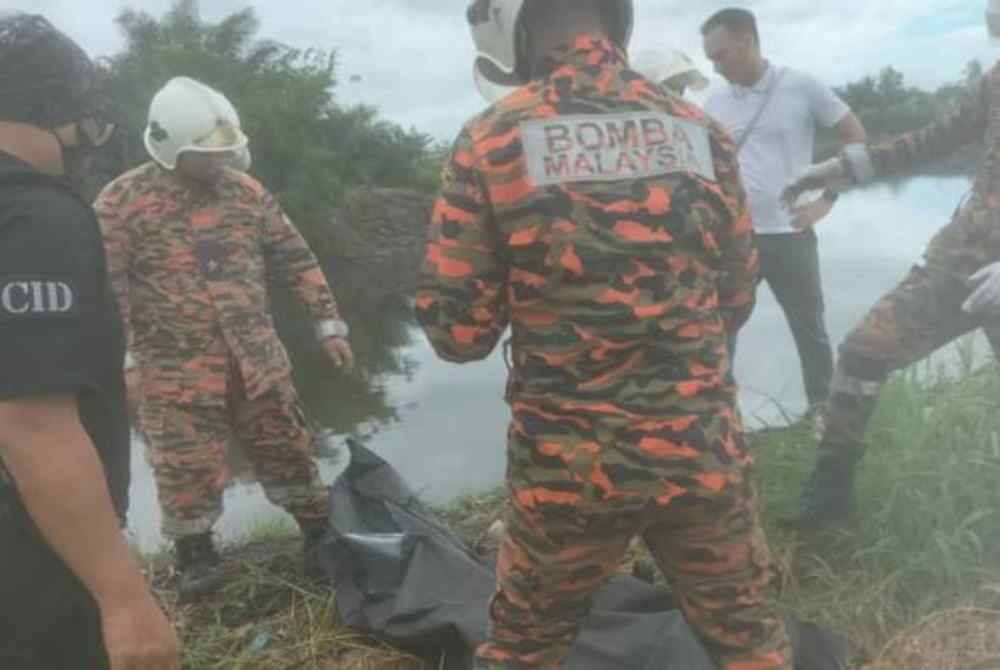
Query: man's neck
x=757, y=72
x=39, y=148
x=556, y=49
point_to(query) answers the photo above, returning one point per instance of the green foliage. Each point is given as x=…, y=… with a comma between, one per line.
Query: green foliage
x=887, y=106
x=926, y=537
x=307, y=149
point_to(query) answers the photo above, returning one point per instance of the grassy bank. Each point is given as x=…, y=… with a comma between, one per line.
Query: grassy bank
x=916, y=584
x=926, y=547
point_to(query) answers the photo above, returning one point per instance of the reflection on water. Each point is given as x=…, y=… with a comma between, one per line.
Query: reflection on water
x=443, y=426
x=867, y=245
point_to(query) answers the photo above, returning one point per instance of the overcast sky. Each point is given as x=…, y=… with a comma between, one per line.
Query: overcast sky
x=414, y=56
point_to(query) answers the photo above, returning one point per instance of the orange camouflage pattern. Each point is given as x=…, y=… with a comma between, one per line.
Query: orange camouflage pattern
x=190, y=266
x=620, y=294
x=924, y=312
x=972, y=239
x=188, y=452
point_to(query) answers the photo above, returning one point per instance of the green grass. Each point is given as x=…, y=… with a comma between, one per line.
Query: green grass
x=915, y=583
x=927, y=537
x=268, y=616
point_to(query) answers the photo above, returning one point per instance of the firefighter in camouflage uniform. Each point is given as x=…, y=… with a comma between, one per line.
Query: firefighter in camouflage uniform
x=604, y=222
x=192, y=245
x=955, y=291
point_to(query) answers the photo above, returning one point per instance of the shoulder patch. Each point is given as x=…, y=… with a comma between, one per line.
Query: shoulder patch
x=38, y=297
x=614, y=147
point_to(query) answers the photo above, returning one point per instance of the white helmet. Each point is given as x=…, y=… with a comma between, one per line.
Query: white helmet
x=500, y=37
x=670, y=68
x=242, y=160
x=186, y=115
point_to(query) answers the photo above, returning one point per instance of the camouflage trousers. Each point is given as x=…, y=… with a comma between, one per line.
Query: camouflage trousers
x=189, y=447
x=570, y=520
x=913, y=320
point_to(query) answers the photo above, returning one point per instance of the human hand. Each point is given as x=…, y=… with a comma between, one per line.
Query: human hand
x=818, y=176
x=986, y=296
x=807, y=215
x=138, y=636
x=339, y=351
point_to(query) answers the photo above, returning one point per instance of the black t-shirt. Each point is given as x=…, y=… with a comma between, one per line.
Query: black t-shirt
x=60, y=329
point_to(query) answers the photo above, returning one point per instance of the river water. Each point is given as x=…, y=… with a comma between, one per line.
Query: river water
x=443, y=425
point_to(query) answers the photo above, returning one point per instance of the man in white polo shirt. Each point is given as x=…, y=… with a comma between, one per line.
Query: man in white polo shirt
x=772, y=113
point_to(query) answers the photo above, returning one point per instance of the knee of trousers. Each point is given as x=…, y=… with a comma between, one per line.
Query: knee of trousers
x=854, y=391
x=860, y=363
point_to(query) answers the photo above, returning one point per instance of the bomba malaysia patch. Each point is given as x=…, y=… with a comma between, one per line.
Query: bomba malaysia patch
x=614, y=147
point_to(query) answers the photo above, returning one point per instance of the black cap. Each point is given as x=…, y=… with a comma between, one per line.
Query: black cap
x=46, y=79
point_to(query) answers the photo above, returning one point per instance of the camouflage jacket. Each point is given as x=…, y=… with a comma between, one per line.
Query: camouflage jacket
x=972, y=240
x=605, y=222
x=190, y=267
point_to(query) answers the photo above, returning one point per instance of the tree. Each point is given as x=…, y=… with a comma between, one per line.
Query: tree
x=973, y=71
x=311, y=152
x=307, y=149
x=887, y=106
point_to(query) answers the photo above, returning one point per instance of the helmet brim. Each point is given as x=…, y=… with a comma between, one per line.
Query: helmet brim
x=493, y=83
x=697, y=81
x=239, y=143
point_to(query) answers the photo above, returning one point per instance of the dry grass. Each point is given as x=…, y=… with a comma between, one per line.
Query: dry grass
x=911, y=585
x=960, y=639
x=268, y=616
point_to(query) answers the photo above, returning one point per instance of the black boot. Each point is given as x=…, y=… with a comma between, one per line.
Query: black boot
x=827, y=499
x=313, y=532
x=199, y=569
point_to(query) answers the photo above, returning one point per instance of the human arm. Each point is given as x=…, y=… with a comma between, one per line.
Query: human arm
x=58, y=343
x=850, y=130
x=738, y=281
x=292, y=264
x=113, y=216
x=61, y=483
x=829, y=111
x=860, y=163
x=461, y=299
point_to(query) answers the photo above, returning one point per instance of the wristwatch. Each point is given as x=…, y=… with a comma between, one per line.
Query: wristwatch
x=830, y=195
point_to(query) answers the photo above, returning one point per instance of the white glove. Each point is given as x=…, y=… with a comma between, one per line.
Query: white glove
x=815, y=177
x=986, y=296
x=853, y=166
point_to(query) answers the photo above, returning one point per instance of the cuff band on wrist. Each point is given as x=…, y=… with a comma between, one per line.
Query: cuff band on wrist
x=331, y=328
x=859, y=162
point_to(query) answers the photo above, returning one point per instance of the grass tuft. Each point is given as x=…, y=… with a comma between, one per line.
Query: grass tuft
x=915, y=584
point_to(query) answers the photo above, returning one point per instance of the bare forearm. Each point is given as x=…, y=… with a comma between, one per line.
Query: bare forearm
x=61, y=484
x=851, y=130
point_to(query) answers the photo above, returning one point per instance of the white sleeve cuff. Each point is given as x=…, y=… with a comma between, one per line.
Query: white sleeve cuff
x=859, y=162
x=129, y=361
x=331, y=328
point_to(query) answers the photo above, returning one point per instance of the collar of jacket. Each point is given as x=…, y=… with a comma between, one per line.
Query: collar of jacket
x=188, y=189
x=13, y=170
x=585, y=51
